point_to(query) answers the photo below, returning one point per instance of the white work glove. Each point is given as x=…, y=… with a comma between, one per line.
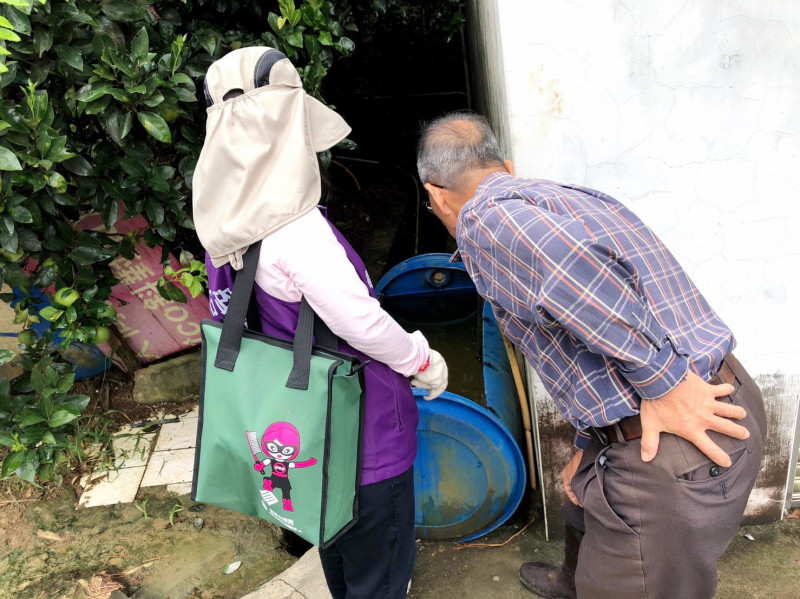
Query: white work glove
x=433, y=377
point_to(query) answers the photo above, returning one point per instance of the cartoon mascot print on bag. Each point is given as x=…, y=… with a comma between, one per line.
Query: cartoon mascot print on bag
x=281, y=444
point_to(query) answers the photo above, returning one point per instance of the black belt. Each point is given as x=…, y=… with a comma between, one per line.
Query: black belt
x=630, y=428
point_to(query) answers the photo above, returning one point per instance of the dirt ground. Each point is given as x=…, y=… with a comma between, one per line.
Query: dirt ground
x=50, y=549
x=762, y=562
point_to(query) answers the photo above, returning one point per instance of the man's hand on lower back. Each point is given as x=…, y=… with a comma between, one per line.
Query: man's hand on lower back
x=689, y=410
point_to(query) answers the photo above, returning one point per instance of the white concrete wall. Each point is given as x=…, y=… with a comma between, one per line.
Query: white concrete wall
x=688, y=112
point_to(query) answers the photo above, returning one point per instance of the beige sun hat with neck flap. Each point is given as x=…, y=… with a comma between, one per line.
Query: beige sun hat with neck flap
x=258, y=168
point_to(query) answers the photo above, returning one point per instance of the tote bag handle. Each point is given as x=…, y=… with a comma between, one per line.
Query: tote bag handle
x=308, y=323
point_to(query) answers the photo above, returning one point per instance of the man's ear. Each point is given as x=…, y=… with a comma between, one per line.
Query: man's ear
x=439, y=197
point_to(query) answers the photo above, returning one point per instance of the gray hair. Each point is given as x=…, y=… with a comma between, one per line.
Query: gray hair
x=453, y=145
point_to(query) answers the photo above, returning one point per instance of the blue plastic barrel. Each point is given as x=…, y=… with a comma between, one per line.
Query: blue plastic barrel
x=469, y=474
x=428, y=289
x=500, y=392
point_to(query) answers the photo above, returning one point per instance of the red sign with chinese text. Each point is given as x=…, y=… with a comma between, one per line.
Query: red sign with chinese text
x=152, y=326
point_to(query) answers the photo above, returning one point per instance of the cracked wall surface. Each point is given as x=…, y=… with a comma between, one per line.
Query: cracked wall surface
x=688, y=113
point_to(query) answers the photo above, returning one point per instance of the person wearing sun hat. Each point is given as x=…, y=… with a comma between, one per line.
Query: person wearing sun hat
x=258, y=178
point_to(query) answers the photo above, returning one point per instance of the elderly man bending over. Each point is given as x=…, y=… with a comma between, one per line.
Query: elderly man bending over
x=669, y=425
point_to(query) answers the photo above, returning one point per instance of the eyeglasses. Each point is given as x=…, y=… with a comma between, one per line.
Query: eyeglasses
x=427, y=203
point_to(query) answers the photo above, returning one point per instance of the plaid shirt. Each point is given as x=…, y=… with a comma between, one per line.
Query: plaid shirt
x=598, y=305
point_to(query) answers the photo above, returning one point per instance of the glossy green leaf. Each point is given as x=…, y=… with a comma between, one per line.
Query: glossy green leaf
x=6, y=225
x=154, y=100
x=345, y=45
x=122, y=95
x=92, y=91
x=7, y=34
x=90, y=254
x=60, y=418
x=110, y=213
x=209, y=40
x=124, y=10
x=6, y=355
x=12, y=462
x=56, y=152
x=184, y=95
x=71, y=314
x=9, y=243
x=181, y=78
x=50, y=313
x=19, y=21
x=196, y=288
x=70, y=56
x=42, y=40
x=295, y=39
x=172, y=292
x=20, y=214
x=79, y=166
x=28, y=466
x=272, y=19
x=155, y=210
x=155, y=126
x=98, y=105
x=74, y=403
x=43, y=143
x=32, y=417
x=29, y=241
x=118, y=125
x=8, y=161
x=140, y=45
x=23, y=5
x=57, y=181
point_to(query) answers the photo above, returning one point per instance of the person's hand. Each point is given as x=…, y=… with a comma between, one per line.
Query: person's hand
x=568, y=472
x=434, y=377
x=688, y=411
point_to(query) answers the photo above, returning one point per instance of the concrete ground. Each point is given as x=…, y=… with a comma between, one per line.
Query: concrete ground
x=766, y=566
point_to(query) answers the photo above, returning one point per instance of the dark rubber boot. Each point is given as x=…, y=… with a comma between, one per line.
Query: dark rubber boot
x=547, y=581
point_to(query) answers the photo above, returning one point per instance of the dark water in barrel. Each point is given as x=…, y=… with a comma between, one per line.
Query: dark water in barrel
x=460, y=344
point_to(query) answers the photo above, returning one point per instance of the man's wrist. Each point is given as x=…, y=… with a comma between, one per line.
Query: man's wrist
x=662, y=374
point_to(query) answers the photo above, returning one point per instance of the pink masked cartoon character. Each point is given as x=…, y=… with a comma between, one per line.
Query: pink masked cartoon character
x=281, y=444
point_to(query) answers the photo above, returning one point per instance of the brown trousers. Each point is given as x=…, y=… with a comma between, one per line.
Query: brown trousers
x=656, y=530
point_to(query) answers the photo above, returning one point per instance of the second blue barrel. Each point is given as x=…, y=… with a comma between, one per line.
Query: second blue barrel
x=469, y=473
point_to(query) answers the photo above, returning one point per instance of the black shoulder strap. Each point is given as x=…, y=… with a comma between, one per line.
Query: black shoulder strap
x=230, y=340
x=308, y=324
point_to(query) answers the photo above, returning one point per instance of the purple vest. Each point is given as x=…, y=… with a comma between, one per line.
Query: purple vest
x=390, y=420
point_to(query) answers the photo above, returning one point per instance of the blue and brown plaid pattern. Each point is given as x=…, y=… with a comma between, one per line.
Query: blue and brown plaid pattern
x=597, y=303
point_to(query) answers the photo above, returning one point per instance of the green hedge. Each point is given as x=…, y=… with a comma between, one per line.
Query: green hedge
x=99, y=112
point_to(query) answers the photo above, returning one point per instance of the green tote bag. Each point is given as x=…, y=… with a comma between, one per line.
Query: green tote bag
x=280, y=429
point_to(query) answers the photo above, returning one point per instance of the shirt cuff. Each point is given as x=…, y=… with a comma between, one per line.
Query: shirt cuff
x=659, y=376
x=581, y=441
